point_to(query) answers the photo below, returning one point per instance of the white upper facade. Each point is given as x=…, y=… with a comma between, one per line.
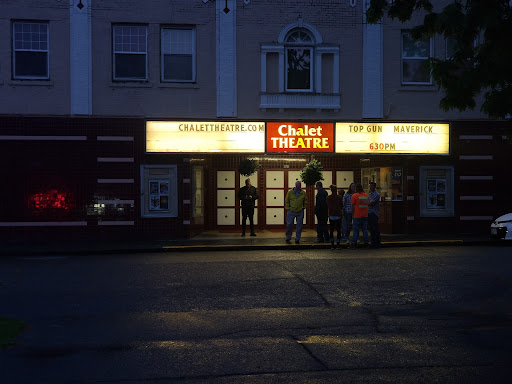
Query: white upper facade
x=216, y=59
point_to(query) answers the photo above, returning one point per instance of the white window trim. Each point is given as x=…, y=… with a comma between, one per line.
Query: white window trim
x=173, y=192
x=300, y=24
x=194, y=73
x=402, y=58
x=114, y=52
x=311, y=47
x=16, y=77
x=317, y=40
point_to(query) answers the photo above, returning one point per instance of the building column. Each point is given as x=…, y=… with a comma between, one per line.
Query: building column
x=80, y=40
x=263, y=72
x=336, y=73
x=372, y=68
x=282, y=71
x=318, y=73
x=226, y=58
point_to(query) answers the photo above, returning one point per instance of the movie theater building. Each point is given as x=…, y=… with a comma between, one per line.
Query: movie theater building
x=120, y=119
x=412, y=163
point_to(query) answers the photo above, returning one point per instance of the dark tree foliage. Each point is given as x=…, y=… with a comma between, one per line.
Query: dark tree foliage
x=482, y=56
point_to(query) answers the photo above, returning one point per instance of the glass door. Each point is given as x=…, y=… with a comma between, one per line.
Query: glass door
x=198, y=195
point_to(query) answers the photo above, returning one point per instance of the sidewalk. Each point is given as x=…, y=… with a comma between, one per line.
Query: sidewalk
x=224, y=241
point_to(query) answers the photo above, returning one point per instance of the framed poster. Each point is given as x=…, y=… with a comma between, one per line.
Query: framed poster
x=158, y=195
x=436, y=193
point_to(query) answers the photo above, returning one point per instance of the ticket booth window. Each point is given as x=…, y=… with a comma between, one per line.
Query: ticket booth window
x=389, y=182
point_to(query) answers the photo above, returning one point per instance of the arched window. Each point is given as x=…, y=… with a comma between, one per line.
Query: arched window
x=299, y=45
x=291, y=70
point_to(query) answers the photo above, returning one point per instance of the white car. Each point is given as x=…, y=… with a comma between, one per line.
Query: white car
x=501, y=228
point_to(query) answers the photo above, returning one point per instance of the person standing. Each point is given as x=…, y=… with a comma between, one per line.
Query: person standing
x=321, y=213
x=347, y=211
x=335, y=212
x=359, y=202
x=373, y=215
x=295, y=204
x=248, y=195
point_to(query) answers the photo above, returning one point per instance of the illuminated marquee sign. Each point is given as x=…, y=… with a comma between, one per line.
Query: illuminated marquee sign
x=300, y=137
x=410, y=138
x=204, y=136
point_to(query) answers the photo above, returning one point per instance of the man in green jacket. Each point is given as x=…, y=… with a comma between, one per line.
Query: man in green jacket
x=295, y=204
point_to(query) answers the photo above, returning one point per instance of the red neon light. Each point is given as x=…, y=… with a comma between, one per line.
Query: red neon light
x=52, y=199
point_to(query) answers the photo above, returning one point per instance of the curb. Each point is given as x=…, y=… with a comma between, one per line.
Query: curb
x=250, y=247
x=235, y=247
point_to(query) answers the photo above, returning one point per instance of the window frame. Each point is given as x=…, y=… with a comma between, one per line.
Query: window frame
x=447, y=42
x=192, y=29
x=15, y=76
x=425, y=58
x=301, y=45
x=476, y=43
x=116, y=52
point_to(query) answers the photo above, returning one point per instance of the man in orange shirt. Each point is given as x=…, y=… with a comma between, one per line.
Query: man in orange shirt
x=359, y=202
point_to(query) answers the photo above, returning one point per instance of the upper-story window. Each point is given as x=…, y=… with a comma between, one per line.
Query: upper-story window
x=451, y=44
x=130, y=52
x=415, y=55
x=300, y=71
x=299, y=60
x=178, y=54
x=30, y=50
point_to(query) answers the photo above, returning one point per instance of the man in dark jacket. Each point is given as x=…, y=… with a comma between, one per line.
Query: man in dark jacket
x=335, y=206
x=321, y=213
x=248, y=195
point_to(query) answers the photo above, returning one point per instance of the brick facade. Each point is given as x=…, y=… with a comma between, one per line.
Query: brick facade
x=80, y=135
